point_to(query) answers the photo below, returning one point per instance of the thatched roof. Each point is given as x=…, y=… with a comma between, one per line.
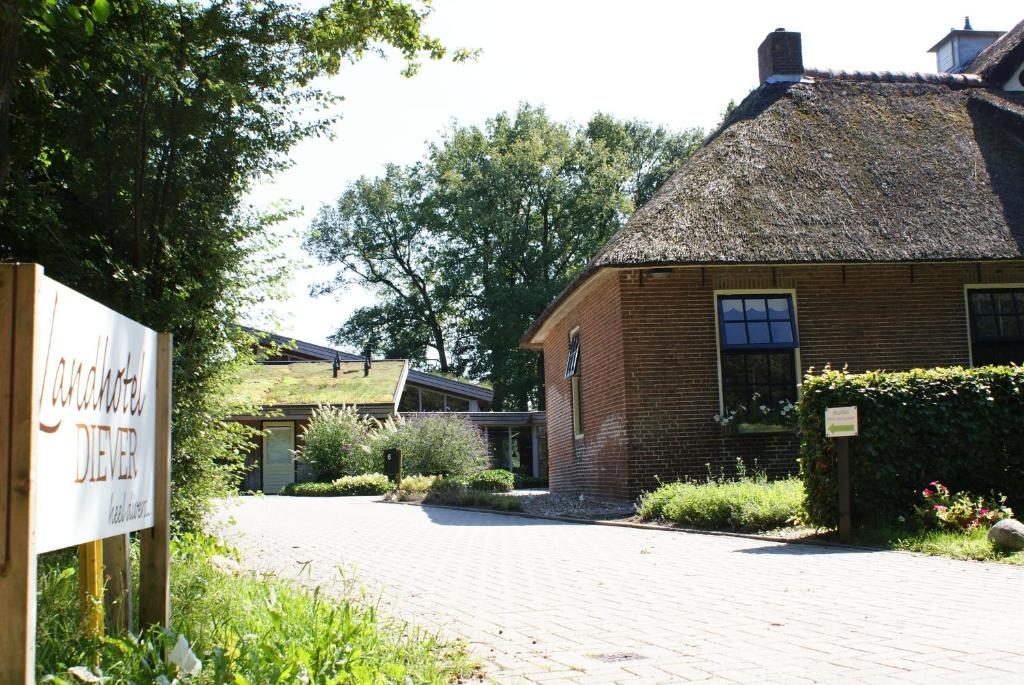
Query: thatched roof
x=840, y=170
x=997, y=63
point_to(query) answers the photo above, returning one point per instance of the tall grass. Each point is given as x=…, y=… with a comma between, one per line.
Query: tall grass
x=748, y=503
x=244, y=629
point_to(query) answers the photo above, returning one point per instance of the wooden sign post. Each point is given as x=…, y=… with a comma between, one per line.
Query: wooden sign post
x=841, y=423
x=84, y=453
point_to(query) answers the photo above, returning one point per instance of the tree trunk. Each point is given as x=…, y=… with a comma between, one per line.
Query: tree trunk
x=10, y=28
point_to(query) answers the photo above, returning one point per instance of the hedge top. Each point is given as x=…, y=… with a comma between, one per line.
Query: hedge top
x=313, y=383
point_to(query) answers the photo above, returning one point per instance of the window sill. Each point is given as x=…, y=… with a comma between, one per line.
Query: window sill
x=754, y=428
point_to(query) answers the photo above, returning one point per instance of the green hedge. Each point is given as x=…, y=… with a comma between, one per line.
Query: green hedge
x=964, y=427
x=366, y=484
x=492, y=480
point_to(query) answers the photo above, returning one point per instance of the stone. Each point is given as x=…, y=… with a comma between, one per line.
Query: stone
x=1008, y=534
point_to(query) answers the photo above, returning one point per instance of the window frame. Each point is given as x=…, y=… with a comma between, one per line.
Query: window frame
x=717, y=295
x=575, y=384
x=969, y=319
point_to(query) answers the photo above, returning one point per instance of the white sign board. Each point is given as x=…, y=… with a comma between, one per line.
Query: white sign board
x=95, y=438
x=841, y=422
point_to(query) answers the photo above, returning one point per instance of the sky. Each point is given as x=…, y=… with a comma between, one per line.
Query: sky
x=668, y=62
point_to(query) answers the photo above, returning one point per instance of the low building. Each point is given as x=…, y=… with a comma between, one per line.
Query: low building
x=299, y=376
x=861, y=220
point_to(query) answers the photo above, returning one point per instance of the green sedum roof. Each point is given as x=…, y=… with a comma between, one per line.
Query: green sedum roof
x=312, y=383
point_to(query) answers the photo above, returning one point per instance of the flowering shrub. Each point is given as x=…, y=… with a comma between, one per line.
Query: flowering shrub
x=782, y=414
x=334, y=443
x=434, y=445
x=961, y=511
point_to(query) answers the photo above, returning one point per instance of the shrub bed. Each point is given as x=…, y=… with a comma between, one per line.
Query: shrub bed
x=747, y=504
x=453, y=491
x=366, y=484
x=963, y=427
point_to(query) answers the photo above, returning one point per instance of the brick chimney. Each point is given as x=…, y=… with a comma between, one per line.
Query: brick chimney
x=780, y=57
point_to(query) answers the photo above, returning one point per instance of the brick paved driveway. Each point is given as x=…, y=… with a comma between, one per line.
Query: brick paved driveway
x=543, y=601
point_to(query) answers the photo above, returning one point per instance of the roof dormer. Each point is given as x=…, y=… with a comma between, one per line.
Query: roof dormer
x=960, y=46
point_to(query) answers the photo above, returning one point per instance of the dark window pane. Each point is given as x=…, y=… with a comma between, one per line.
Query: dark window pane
x=1018, y=296
x=734, y=397
x=784, y=393
x=1004, y=303
x=760, y=395
x=782, y=332
x=733, y=369
x=778, y=308
x=1008, y=327
x=757, y=332
x=432, y=401
x=986, y=327
x=735, y=334
x=781, y=368
x=757, y=368
x=410, y=399
x=982, y=303
x=456, y=403
x=732, y=309
x=755, y=309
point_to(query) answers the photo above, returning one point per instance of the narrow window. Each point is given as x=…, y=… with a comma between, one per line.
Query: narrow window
x=572, y=372
x=758, y=341
x=997, y=326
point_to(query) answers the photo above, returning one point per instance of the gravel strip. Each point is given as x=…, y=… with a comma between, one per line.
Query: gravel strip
x=544, y=503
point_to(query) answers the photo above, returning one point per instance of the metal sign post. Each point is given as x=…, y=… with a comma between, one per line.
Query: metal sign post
x=841, y=423
x=393, y=466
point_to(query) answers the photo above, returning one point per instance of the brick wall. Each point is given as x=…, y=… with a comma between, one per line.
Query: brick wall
x=650, y=360
x=596, y=463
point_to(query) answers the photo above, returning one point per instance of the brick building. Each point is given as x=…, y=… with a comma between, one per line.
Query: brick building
x=868, y=220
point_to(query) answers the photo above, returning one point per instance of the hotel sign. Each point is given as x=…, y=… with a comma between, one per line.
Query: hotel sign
x=95, y=420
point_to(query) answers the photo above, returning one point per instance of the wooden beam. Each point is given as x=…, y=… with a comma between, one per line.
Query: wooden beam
x=154, y=549
x=117, y=593
x=90, y=585
x=18, y=286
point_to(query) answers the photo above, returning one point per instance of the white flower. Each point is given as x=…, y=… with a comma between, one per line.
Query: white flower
x=184, y=658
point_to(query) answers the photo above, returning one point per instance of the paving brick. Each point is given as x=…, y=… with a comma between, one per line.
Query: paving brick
x=562, y=594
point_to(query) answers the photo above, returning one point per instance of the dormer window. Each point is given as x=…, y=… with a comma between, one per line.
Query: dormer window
x=955, y=52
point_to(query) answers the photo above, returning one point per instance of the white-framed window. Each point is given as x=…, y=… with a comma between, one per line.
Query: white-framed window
x=572, y=372
x=995, y=322
x=758, y=348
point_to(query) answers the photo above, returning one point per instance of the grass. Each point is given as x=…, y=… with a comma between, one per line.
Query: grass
x=972, y=545
x=747, y=504
x=313, y=383
x=244, y=630
x=437, y=490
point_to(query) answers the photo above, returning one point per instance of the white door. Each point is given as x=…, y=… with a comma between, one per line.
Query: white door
x=278, y=467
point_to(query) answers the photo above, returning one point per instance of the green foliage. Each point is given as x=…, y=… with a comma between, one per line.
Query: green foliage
x=963, y=427
x=943, y=509
x=522, y=481
x=970, y=544
x=434, y=444
x=465, y=248
x=365, y=484
x=749, y=503
x=456, y=492
x=492, y=480
x=130, y=155
x=335, y=443
x=244, y=629
x=417, y=484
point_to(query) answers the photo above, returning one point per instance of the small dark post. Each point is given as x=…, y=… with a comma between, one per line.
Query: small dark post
x=336, y=365
x=393, y=466
x=367, y=362
x=845, y=517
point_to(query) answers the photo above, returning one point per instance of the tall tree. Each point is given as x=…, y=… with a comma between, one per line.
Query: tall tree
x=503, y=217
x=132, y=150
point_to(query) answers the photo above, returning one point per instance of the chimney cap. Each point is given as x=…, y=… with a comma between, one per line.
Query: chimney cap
x=967, y=24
